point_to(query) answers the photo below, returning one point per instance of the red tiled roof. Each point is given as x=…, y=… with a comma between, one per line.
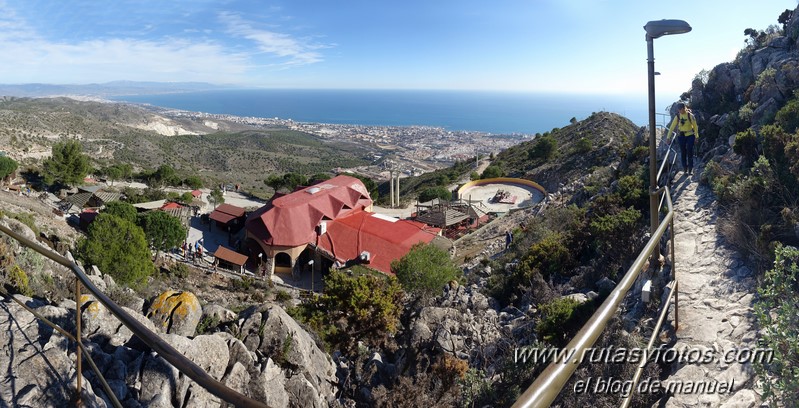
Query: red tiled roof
x=196, y=193
x=291, y=220
x=384, y=239
x=226, y=212
x=230, y=256
x=171, y=206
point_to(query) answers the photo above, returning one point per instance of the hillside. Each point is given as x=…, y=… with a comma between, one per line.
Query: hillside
x=581, y=148
x=580, y=152
x=218, y=150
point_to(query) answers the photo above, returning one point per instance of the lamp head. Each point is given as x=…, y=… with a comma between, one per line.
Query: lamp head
x=659, y=28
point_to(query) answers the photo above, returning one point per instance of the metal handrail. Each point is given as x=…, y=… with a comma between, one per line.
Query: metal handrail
x=114, y=401
x=169, y=353
x=547, y=386
x=674, y=289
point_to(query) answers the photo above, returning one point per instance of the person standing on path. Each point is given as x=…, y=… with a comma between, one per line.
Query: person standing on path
x=687, y=133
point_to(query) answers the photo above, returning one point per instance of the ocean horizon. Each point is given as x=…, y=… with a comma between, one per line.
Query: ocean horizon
x=479, y=111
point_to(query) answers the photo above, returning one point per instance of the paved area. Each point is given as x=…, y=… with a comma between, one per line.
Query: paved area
x=526, y=196
x=715, y=307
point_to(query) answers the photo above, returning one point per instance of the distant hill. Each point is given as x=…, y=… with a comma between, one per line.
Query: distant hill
x=593, y=145
x=105, y=89
x=595, y=142
x=216, y=149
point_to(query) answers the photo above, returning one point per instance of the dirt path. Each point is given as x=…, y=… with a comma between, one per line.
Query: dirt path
x=715, y=307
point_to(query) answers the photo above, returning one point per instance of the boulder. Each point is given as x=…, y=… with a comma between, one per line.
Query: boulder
x=219, y=313
x=175, y=312
x=102, y=326
x=270, y=331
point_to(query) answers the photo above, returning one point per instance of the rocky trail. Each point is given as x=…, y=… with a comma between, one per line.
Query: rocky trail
x=716, y=317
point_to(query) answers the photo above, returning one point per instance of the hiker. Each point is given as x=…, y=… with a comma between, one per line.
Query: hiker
x=687, y=133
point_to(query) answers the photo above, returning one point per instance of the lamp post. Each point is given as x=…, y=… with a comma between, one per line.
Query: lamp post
x=656, y=29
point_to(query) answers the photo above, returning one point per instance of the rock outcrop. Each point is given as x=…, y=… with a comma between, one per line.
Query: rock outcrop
x=277, y=363
x=176, y=312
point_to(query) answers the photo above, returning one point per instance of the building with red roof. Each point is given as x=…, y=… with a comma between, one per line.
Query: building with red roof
x=372, y=239
x=329, y=223
x=228, y=216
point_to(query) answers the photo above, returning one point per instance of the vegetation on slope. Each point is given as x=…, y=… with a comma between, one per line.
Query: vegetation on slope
x=756, y=182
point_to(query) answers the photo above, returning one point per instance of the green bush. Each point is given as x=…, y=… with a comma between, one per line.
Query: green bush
x=777, y=313
x=425, y=269
x=7, y=166
x=439, y=192
x=17, y=279
x=614, y=232
x=633, y=192
x=119, y=248
x=560, y=319
x=492, y=171
x=544, y=148
x=746, y=145
x=788, y=116
x=207, y=324
x=356, y=306
x=179, y=270
x=584, y=145
x=549, y=255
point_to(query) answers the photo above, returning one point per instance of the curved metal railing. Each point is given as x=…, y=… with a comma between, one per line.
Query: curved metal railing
x=546, y=388
x=169, y=353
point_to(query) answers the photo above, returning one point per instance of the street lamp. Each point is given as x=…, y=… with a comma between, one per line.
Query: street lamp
x=656, y=29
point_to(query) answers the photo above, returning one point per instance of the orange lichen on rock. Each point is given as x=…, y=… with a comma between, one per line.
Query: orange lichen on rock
x=176, y=312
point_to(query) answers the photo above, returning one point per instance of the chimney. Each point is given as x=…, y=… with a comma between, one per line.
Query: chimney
x=322, y=227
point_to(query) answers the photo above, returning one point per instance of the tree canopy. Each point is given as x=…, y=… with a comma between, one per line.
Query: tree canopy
x=357, y=305
x=425, y=269
x=7, y=166
x=119, y=248
x=216, y=197
x=286, y=182
x=67, y=165
x=123, y=210
x=439, y=192
x=163, y=231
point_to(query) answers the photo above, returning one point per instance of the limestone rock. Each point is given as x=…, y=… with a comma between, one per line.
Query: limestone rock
x=270, y=331
x=176, y=312
x=219, y=313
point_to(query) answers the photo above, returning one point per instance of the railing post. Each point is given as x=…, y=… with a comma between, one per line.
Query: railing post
x=676, y=305
x=78, y=351
x=674, y=277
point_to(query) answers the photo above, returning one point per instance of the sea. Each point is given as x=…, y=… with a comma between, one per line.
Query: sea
x=480, y=111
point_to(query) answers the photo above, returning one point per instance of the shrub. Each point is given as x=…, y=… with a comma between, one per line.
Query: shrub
x=544, y=148
x=492, y=171
x=179, y=270
x=425, y=269
x=17, y=279
x=788, y=116
x=359, y=306
x=207, y=324
x=560, y=319
x=548, y=256
x=584, y=145
x=282, y=296
x=439, y=192
x=746, y=145
x=777, y=313
x=632, y=191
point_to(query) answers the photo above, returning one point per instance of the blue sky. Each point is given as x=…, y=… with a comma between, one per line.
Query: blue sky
x=570, y=46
